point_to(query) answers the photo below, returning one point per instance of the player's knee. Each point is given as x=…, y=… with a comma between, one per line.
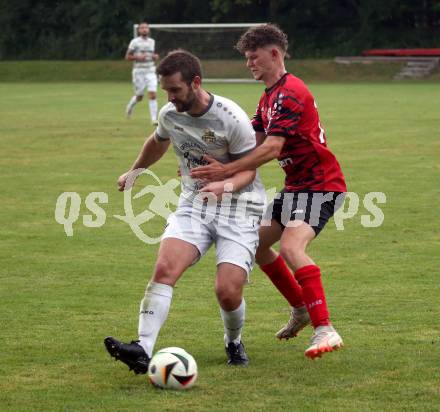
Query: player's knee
x=152, y=96
x=165, y=272
x=139, y=98
x=229, y=303
x=228, y=297
x=292, y=252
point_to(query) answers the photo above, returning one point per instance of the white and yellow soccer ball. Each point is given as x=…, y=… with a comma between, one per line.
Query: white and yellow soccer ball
x=172, y=368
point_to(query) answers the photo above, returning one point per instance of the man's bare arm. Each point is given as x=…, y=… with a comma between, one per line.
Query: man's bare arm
x=232, y=184
x=152, y=150
x=130, y=56
x=260, y=137
x=265, y=152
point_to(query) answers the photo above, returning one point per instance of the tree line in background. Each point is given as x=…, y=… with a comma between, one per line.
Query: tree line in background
x=101, y=29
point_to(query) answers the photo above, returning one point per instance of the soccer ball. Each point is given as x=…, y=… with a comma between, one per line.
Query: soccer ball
x=172, y=368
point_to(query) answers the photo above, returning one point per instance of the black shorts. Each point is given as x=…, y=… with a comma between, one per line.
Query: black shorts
x=313, y=208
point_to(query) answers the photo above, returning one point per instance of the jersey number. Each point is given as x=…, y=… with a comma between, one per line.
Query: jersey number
x=321, y=134
x=321, y=130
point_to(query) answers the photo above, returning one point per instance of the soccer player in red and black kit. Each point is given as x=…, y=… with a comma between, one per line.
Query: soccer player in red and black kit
x=288, y=129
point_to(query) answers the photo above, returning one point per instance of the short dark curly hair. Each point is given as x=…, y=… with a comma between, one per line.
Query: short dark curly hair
x=260, y=36
x=181, y=61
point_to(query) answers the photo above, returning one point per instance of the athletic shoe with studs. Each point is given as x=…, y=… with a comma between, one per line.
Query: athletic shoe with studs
x=325, y=339
x=132, y=354
x=236, y=354
x=299, y=319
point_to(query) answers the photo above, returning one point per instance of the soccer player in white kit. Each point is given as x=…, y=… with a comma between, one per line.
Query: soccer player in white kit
x=141, y=51
x=225, y=213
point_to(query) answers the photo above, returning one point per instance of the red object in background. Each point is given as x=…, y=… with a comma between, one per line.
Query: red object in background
x=402, y=52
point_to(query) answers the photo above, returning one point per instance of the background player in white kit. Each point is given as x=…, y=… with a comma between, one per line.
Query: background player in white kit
x=198, y=123
x=141, y=51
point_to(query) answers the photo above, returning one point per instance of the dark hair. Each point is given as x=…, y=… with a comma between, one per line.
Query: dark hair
x=180, y=61
x=143, y=22
x=260, y=36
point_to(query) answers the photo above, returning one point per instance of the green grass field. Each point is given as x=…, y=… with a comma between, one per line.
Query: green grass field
x=322, y=70
x=60, y=296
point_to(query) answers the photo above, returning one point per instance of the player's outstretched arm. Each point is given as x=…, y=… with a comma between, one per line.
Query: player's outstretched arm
x=232, y=184
x=152, y=150
x=260, y=137
x=268, y=150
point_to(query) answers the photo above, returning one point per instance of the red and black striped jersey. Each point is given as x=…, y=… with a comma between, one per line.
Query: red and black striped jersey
x=288, y=109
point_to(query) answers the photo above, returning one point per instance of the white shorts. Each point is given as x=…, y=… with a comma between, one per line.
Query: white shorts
x=144, y=79
x=236, y=241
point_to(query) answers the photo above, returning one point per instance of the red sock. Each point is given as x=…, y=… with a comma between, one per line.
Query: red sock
x=283, y=279
x=309, y=277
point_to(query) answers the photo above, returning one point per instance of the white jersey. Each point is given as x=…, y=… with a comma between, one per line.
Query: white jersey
x=224, y=132
x=139, y=45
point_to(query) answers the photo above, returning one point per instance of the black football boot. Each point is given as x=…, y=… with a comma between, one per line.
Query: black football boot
x=236, y=354
x=132, y=354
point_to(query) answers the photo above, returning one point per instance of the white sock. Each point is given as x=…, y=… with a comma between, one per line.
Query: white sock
x=233, y=322
x=153, y=109
x=132, y=102
x=153, y=313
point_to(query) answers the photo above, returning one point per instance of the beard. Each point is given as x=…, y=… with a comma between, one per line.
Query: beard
x=185, y=105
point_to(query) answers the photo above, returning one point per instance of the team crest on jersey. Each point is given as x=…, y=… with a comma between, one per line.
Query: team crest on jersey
x=193, y=153
x=208, y=136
